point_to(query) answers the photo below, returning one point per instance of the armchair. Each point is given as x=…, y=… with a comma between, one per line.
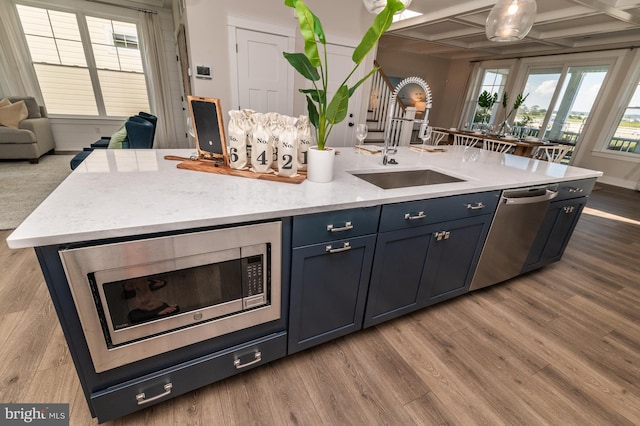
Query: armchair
x=32, y=139
x=140, y=131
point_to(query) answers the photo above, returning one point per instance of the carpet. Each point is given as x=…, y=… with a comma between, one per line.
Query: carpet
x=23, y=186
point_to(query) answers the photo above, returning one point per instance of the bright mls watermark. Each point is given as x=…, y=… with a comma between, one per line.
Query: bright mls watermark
x=34, y=414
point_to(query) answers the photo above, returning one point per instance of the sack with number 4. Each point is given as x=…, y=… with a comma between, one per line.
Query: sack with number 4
x=261, y=146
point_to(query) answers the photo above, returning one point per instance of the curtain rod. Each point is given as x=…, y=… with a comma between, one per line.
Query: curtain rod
x=139, y=9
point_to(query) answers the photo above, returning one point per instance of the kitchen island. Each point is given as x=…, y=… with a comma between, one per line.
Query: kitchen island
x=353, y=254
x=119, y=193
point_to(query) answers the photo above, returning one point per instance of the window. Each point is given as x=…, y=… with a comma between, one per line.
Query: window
x=101, y=58
x=492, y=81
x=627, y=135
x=559, y=102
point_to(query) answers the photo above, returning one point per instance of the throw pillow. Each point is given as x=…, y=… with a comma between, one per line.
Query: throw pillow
x=4, y=102
x=12, y=115
x=118, y=138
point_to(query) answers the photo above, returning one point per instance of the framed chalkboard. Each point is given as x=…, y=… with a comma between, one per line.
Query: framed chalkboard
x=208, y=126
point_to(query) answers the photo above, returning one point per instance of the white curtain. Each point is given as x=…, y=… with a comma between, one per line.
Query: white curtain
x=156, y=66
x=18, y=76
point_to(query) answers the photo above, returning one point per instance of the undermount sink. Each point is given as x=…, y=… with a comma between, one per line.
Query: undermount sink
x=405, y=178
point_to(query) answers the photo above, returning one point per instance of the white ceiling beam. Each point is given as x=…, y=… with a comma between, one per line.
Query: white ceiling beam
x=621, y=15
x=428, y=16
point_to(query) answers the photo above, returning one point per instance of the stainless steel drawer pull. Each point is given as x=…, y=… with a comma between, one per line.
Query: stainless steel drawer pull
x=439, y=236
x=345, y=247
x=576, y=190
x=347, y=226
x=477, y=206
x=420, y=215
x=257, y=358
x=568, y=209
x=142, y=399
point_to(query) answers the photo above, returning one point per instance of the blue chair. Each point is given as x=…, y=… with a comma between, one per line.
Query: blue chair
x=141, y=130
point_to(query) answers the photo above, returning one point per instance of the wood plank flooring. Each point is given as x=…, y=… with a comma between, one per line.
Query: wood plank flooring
x=557, y=346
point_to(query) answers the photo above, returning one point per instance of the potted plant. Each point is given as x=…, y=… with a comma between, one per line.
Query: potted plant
x=486, y=101
x=324, y=113
x=504, y=127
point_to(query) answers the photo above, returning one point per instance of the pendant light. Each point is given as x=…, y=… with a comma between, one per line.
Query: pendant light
x=510, y=20
x=376, y=6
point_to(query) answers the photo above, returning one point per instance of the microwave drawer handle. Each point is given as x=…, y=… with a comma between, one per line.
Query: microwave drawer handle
x=257, y=358
x=142, y=399
x=347, y=226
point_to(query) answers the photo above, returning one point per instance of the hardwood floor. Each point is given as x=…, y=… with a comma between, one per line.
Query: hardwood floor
x=557, y=346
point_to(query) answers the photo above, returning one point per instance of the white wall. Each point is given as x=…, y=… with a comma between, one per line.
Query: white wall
x=344, y=22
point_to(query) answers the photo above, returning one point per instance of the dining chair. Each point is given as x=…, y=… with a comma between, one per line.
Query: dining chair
x=438, y=136
x=554, y=153
x=498, y=146
x=466, y=140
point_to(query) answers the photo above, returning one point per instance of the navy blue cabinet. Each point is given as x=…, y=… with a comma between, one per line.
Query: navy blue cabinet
x=417, y=262
x=329, y=279
x=554, y=234
x=558, y=224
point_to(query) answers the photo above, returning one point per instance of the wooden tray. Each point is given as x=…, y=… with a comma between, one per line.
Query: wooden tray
x=210, y=166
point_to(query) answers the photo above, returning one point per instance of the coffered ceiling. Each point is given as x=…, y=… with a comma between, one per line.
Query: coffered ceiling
x=455, y=29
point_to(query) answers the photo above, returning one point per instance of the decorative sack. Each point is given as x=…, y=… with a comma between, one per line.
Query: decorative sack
x=305, y=140
x=275, y=126
x=288, y=148
x=248, y=122
x=237, y=140
x=261, y=145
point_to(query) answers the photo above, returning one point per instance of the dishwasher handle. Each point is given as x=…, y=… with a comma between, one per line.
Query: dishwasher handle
x=548, y=195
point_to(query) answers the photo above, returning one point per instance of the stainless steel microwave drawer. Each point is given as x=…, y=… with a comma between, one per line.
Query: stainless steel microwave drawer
x=423, y=212
x=339, y=224
x=136, y=394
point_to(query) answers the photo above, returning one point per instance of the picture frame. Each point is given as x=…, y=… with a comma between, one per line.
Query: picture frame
x=208, y=127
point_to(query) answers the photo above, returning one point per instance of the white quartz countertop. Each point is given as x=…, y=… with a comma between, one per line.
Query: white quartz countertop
x=117, y=193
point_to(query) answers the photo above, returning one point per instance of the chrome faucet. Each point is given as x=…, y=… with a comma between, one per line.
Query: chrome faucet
x=391, y=147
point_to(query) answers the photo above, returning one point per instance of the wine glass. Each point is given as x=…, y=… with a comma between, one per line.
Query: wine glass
x=361, y=132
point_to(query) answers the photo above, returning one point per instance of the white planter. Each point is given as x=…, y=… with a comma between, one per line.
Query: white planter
x=320, y=164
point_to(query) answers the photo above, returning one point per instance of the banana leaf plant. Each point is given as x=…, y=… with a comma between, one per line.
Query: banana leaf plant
x=516, y=105
x=312, y=64
x=486, y=101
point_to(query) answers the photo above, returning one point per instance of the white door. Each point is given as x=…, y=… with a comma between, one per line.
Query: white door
x=340, y=64
x=262, y=71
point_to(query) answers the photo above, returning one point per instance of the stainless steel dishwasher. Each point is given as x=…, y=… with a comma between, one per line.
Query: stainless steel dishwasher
x=513, y=230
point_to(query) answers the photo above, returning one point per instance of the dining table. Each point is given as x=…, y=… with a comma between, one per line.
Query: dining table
x=523, y=147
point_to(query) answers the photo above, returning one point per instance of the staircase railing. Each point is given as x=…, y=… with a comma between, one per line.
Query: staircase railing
x=380, y=99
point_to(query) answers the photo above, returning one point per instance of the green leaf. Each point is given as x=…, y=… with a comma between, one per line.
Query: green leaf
x=519, y=101
x=301, y=63
x=310, y=26
x=337, y=109
x=353, y=89
x=505, y=99
x=313, y=112
x=316, y=94
x=381, y=23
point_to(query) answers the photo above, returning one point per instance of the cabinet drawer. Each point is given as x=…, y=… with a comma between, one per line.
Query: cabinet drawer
x=575, y=189
x=423, y=212
x=320, y=227
x=149, y=390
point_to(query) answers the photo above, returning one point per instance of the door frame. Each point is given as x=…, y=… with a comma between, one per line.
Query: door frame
x=233, y=23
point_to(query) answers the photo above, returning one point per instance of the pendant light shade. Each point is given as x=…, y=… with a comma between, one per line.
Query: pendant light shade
x=376, y=6
x=511, y=20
